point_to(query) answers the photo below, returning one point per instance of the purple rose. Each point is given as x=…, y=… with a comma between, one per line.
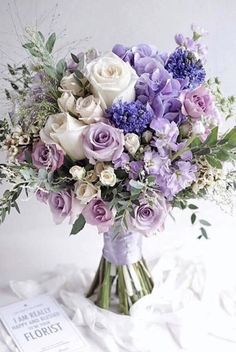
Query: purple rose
x=103, y=142
x=42, y=195
x=47, y=156
x=198, y=102
x=97, y=213
x=60, y=204
x=148, y=219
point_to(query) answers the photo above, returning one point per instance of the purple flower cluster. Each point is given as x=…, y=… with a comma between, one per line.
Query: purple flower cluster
x=130, y=117
x=143, y=57
x=184, y=66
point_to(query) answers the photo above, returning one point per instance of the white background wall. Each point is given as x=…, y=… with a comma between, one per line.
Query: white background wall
x=31, y=243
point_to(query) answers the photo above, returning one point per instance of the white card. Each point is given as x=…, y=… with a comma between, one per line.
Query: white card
x=41, y=325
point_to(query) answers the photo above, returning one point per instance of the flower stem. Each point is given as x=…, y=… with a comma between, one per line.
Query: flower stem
x=133, y=281
x=184, y=148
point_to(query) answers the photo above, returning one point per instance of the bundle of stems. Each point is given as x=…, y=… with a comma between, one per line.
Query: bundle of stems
x=133, y=281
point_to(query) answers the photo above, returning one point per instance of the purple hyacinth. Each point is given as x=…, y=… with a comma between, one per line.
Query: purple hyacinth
x=184, y=66
x=130, y=117
x=143, y=57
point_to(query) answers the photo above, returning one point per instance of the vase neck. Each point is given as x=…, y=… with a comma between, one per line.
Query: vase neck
x=123, y=248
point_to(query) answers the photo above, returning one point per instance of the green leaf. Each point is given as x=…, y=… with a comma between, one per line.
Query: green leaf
x=182, y=204
x=75, y=58
x=192, y=206
x=136, y=184
x=151, y=180
x=222, y=155
x=193, y=218
x=212, y=138
x=230, y=136
x=15, y=205
x=34, y=52
x=61, y=66
x=204, y=222
x=50, y=42
x=204, y=233
x=28, y=46
x=41, y=36
x=51, y=72
x=78, y=225
x=196, y=143
x=214, y=162
x=79, y=75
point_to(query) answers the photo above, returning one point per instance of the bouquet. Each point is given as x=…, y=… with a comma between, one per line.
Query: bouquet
x=117, y=140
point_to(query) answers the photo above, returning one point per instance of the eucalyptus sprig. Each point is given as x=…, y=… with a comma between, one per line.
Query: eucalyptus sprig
x=225, y=104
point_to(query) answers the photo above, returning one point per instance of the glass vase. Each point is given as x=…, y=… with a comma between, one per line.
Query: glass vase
x=122, y=271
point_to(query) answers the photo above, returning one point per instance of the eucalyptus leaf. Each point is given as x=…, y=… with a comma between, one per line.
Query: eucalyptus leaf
x=136, y=184
x=193, y=206
x=41, y=36
x=204, y=222
x=61, y=67
x=51, y=72
x=75, y=58
x=193, y=218
x=204, y=232
x=50, y=42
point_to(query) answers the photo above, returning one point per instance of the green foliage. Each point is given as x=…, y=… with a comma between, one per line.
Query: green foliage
x=225, y=104
x=78, y=225
x=215, y=149
x=50, y=42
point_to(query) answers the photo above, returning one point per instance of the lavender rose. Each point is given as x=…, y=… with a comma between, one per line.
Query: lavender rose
x=147, y=219
x=47, y=156
x=96, y=212
x=198, y=102
x=60, y=204
x=102, y=142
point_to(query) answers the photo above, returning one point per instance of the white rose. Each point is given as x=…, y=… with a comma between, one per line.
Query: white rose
x=89, y=109
x=91, y=176
x=108, y=177
x=70, y=83
x=132, y=143
x=67, y=102
x=99, y=167
x=77, y=172
x=85, y=191
x=65, y=131
x=111, y=78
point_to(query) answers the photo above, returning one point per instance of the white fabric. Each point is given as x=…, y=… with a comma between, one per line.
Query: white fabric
x=185, y=311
